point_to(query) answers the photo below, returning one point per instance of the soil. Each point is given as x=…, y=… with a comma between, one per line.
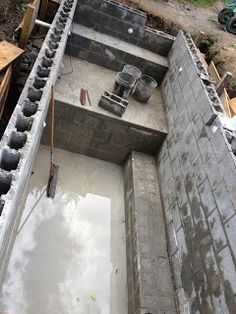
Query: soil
x=174, y=15
x=11, y=15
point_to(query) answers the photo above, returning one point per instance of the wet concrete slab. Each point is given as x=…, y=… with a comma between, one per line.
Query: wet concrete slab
x=70, y=254
x=77, y=74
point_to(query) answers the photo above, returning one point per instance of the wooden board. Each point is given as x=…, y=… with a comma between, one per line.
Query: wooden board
x=30, y=16
x=43, y=9
x=8, y=53
x=232, y=104
x=213, y=72
x=224, y=96
x=4, y=88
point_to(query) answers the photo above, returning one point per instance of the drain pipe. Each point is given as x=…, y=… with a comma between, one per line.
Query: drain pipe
x=42, y=23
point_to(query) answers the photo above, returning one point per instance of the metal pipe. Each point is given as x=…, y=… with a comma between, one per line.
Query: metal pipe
x=42, y=23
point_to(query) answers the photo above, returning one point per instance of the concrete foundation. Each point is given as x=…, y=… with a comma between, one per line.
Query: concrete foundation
x=150, y=287
x=113, y=53
x=112, y=18
x=94, y=131
x=70, y=255
x=197, y=173
x=59, y=264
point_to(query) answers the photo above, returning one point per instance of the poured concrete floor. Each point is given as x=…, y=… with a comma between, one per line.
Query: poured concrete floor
x=70, y=255
x=77, y=74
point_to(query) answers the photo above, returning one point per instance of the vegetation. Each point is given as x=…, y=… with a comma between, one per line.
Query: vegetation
x=23, y=7
x=203, y=3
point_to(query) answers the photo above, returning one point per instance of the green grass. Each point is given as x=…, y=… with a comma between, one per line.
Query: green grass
x=23, y=7
x=233, y=46
x=203, y=3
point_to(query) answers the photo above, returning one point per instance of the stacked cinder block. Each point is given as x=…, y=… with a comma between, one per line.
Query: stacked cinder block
x=100, y=136
x=111, y=53
x=19, y=144
x=115, y=19
x=150, y=289
x=197, y=176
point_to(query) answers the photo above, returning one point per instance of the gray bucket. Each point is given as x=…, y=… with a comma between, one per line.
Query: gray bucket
x=132, y=70
x=124, y=84
x=144, y=88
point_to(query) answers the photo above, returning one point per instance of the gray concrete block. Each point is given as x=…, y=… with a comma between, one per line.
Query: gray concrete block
x=223, y=202
x=155, y=41
x=207, y=197
x=227, y=171
x=104, y=61
x=227, y=269
x=172, y=244
x=207, y=169
x=151, y=264
x=123, y=13
x=219, y=145
x=217, y=231
x=230, y=231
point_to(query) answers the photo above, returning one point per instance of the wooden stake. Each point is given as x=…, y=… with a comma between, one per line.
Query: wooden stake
x=223, y=82
x=27, y=26
x=43, y=9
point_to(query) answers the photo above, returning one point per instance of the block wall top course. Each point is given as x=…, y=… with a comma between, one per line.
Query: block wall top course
x=19, y=144
x=197, y=173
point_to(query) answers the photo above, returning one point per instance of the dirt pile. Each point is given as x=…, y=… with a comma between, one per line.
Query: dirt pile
x=11, y=14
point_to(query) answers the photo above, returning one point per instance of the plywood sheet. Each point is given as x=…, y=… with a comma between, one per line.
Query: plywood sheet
x=8, y=53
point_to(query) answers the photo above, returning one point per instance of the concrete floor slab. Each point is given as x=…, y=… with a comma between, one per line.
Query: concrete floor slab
x=77, y=74
x=70, y=255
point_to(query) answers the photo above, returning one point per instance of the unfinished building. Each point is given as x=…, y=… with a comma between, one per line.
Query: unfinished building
x=144, y=214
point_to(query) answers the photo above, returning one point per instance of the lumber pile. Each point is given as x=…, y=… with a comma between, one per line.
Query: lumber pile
x=8, y=54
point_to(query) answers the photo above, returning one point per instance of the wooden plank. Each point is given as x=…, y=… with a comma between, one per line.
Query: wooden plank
x=223, y=82
x=225, y=102
x=224, y=97
x=30, y=16
x=43, y=9
x=8, y=53
x=4, y=88
x=213, y=72
x=27, y=25
x=232, y=104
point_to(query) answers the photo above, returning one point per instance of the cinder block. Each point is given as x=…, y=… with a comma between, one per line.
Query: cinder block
x=230, y=227
x=104, y=61
x=124, y=13
x=223, y=202
x=113, y=103
x=217, y=231
x=227, y=269
x=207, y=197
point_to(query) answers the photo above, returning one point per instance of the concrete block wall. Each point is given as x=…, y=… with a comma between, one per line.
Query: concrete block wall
x=100, y=49
x=150, y=289
x=197, y=176
x=115, y=19
x=83, y=131
x=21, y=139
